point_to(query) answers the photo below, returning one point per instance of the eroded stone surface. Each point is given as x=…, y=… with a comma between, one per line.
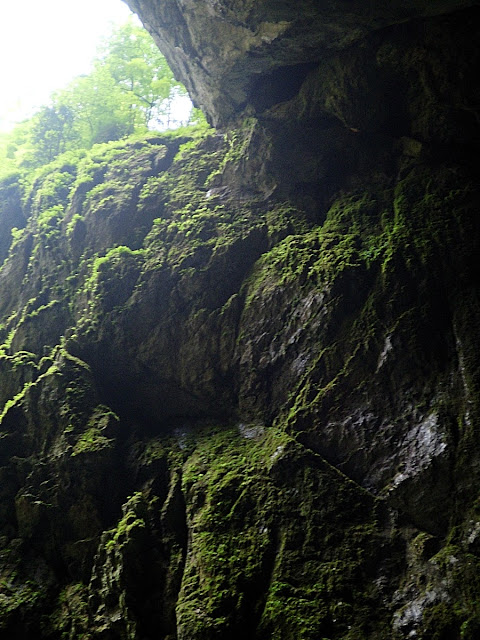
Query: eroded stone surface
x=239, y=378
x=229, y=54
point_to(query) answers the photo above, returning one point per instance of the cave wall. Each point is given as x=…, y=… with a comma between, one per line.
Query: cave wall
x=239, y=370
x=228, y=52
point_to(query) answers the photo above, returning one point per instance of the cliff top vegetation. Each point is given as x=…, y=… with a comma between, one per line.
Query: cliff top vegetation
x=130, y=90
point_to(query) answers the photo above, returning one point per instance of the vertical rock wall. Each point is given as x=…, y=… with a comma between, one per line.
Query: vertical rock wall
x=239, y=372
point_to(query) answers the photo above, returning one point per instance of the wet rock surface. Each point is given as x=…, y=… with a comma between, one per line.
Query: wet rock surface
x=239, y=371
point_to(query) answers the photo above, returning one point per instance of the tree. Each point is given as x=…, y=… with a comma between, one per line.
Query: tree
x=141, y=72
x=100, y=108
x=130, y=89
x=51, y=132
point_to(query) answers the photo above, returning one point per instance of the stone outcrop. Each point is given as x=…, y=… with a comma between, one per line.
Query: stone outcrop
x=239, y=367
x=240, y=56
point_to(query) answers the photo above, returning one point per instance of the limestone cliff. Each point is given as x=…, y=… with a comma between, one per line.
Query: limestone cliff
x=239, y=367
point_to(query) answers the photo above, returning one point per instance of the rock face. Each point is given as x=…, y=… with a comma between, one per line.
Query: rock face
x=239, y=370
x=238, y=56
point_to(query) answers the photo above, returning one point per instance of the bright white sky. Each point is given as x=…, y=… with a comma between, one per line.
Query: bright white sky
x=46, y=43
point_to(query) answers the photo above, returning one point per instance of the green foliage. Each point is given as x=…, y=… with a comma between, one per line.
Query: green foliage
x=52, y=131
x=141, y=73
x=101, y=112
x=130, y=89
x=8, y=165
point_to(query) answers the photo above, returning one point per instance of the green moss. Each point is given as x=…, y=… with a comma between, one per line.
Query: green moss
x=280, y=544
x=17, y=597
x=135, y=517
x=99, y=428
x=17, y=235
x=452, y=578
x=15, y=401
x=91, y=440
x=51, y=190
x=151, y=193
x=228, y=546
x=237, y=143
x=71, y=616
x=185, y=183
x=73, y=224
x=22, y=596
x=112, y=278
x=108, y=194
x=264, y=529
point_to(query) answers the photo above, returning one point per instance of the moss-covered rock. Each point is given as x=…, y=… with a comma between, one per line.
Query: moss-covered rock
x=239, y=370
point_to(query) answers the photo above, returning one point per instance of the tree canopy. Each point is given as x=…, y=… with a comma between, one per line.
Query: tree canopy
x=130, y=89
